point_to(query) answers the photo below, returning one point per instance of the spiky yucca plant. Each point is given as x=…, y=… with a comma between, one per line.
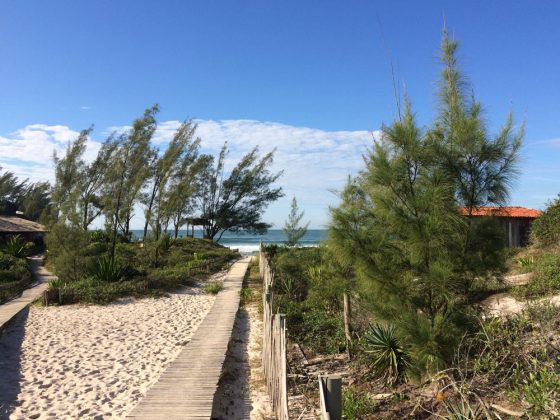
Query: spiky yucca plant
x=15, y=246
x=107, y=270
x=389, y=358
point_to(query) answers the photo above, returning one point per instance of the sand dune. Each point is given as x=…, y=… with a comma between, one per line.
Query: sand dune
x=92, y=361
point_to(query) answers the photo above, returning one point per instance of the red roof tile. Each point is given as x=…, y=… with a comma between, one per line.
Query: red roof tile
x=503, y=212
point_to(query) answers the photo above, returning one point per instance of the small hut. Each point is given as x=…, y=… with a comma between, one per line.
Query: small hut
x=13, y=225
x=516, y=221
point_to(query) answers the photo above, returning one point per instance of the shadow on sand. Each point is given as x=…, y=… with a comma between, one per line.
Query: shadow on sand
x=11, y=340
x=231, y=400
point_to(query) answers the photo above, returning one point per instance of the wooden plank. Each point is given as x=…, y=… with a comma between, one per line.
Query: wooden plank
x=186, y=389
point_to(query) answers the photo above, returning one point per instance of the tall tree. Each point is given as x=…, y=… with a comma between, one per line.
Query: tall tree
x=186, y=185
x=293, y=229
x=127, y=175
x=90, y=202
x=36, y=204
x=68, y=178
x=12, y=192
x=236, y=202
x=399, y=227
x=182, y=149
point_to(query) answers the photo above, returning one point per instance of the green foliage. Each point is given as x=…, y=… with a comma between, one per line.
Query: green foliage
x=313, y=327
x=107, y=270
x=399, y=227
x=545, y=280
x=14, y=276
x=541, y=389
x=290, y=268
x=390, y=360
x=67, y=252
x=12, y=193
x=214, y=287
x=12, y=269
x=7, y=261
x=237, y=201
x=292, y=229
x=526, y=263
x=14, y=246
x=545, y=230
x=462, y=410
x=356, y=405
x=517, y=357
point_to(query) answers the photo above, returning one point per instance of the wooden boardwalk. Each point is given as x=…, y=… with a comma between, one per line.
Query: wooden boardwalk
x=42, y=277
x=186, y=389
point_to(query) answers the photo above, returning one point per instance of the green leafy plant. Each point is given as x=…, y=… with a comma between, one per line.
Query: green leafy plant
x=165, y=242
x=462, y=410
x=356, y=404
x=389, y=358
x=526, y=262
x=14, y=246
x=107, y=270
x=214, y=288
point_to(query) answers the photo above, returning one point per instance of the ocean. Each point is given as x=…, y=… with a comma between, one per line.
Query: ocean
x=248, y=244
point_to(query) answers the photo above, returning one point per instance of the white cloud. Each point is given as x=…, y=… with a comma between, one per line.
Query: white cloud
x=28, y=152
x=85, y=107
x=314, y=161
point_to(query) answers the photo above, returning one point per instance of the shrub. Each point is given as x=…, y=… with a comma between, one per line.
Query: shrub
x=91, y=290
x=107, y=270
x=214, y=288
x=311, y=326
x=389, y=358
x=546, y=278
x=6, y=261
x=545, y=230
x=14, y=246
x=356, y=404
x=169, y=278
x=67, y=252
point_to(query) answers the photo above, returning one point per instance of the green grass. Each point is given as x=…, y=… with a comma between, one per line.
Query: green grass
x=356, y=404
x=214, y=288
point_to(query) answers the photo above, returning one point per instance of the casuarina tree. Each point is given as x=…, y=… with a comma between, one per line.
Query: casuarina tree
x=235, y=201
x=401, y=229
x=293, y=229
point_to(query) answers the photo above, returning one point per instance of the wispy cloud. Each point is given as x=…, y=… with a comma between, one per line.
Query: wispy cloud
x=85, y=107
x=314, y=161
x=28, y=151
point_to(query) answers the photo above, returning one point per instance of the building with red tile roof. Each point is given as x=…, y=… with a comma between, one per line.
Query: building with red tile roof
x=515, y=220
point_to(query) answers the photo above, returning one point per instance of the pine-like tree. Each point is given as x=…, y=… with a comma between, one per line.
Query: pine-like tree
x=292, y=228
x=399, y=227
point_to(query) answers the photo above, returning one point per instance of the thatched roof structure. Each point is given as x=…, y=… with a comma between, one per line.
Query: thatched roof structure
x=16, y=225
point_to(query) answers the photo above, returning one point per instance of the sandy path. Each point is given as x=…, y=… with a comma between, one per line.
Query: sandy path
x=92, y=361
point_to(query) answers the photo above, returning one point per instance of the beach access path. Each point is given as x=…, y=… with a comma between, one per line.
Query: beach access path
x=186, y=389
x=41, y=276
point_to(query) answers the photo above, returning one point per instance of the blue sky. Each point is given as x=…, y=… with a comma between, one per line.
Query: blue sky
x=311, y=78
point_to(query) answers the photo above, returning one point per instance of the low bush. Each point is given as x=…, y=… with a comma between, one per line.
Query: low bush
x=311, y=326
x=14, y=246
x=356, y=404
x=546, y=278
x=214, y=288
x=545, y=230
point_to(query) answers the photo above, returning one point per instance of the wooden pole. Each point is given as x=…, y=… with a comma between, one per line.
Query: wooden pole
x=348, y=324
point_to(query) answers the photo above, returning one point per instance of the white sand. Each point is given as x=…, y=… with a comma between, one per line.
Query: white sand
x=92, y=361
